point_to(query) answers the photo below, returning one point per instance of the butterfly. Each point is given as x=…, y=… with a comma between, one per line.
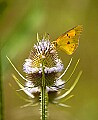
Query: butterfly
x=69, y=41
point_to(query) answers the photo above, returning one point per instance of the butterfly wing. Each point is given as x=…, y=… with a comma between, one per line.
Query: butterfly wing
x=69, y=41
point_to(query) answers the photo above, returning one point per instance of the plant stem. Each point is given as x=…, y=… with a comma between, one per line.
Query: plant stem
x=1, y=101
x=44, y=96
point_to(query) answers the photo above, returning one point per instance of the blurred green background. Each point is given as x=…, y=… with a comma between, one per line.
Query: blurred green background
x=20, y=20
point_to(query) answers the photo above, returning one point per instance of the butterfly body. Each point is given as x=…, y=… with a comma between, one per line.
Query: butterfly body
x=69, y=41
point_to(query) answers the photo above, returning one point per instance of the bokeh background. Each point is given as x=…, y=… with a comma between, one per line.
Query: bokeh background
x=20, y=20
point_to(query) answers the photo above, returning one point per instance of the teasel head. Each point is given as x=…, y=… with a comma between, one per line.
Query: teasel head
x=43, y=51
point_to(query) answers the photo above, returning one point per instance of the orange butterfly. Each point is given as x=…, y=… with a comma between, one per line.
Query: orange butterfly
x=69, y=41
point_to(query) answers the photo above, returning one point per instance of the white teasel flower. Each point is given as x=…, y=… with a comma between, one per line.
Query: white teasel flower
x=53, y=66
x=32, y=66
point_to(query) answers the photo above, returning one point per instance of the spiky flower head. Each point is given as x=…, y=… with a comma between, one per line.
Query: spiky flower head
x=44, y=58
x=45, y=51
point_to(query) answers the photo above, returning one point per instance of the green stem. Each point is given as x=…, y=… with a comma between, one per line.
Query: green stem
x=44, y=96
x=1, y=96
